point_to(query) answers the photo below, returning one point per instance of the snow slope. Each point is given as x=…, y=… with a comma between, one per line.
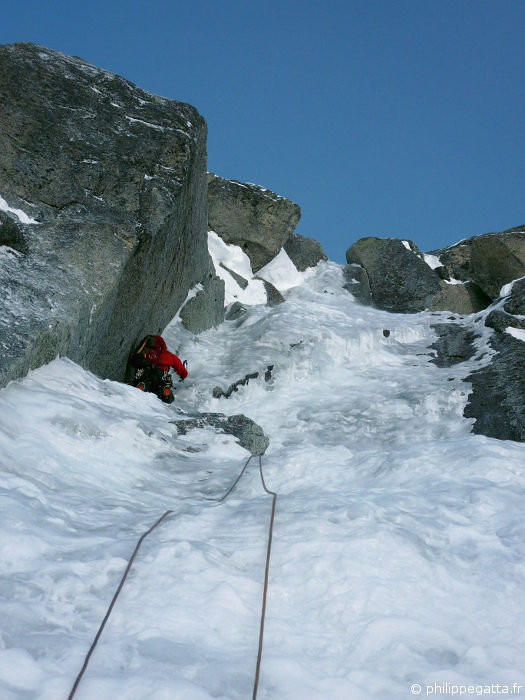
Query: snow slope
x=399, y=536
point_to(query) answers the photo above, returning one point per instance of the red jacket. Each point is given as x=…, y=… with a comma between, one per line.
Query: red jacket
x=168, y=359
x=159, y=356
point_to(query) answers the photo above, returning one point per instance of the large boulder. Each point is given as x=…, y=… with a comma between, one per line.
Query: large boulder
x=254, y=218
x=304, y=252
x=466, y=279
x=104, y=193
x=489, y=261
x=399, y=279
x=463, y=298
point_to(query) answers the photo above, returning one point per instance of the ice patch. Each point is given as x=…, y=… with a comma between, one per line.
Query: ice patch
x=454, y=281
x=506, y=290
x=432, y=261
x=281, y=272
x=133, y=120
x=20, y=215
x=19, y=670
x=518, y=333
x=235, y=259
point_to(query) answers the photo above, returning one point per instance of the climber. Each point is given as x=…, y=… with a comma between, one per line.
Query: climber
x=149, y=367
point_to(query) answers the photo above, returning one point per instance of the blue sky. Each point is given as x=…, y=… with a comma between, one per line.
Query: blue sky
x=401, y=118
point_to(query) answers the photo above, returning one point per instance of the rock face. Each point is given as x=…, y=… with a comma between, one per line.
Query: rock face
x=104, y=192
x=496, y=401
x=399, y=279
x=206, y=309
x=465, y=298
x=515, y=304
x=488, y=261
x=256, y=219
x=468, y=280
x=304, y=252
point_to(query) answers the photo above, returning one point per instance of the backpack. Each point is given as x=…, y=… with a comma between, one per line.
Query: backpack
x=148, y=351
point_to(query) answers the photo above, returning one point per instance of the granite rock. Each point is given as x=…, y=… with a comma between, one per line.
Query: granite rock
x=489, y=261
x=105, y=230
x=304, y=252
x=399, y=279
x=250, y=435
x=251, y=217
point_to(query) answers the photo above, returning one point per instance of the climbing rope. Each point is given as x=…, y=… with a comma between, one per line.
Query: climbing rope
x=117, y=593
x=266, y=574
x=223, y=498
x=135, y=552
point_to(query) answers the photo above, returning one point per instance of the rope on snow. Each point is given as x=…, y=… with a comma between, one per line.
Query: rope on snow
x=135, y=552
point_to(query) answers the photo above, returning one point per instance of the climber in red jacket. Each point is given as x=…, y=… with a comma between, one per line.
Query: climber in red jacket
x=149, y=367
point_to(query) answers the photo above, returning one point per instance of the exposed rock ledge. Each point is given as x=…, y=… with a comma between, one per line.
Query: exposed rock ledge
x=250, y=435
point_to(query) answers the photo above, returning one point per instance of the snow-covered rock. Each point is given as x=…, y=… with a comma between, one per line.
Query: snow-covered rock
x=251, y=217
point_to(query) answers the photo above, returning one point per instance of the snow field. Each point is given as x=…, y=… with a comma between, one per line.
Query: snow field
x=399, y=536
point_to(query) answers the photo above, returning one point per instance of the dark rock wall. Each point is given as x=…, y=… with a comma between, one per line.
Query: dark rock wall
x=496, y=401
x=454, y=344
x=498, y=389
x=116, y=178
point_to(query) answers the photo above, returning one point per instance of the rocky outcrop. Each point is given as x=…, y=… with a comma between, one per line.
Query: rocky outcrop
x=464, y=298
x=257, y=220
x=104, y=232
x=496, y=401
x=273, y=295
x=515, y=303
x=304, y=252
x=454, y=344
x=488, y=261
x=399, y=279
x=465, y=278
x=249, y=435
x=219, y=393
x=235, y=312
x=499, y=320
